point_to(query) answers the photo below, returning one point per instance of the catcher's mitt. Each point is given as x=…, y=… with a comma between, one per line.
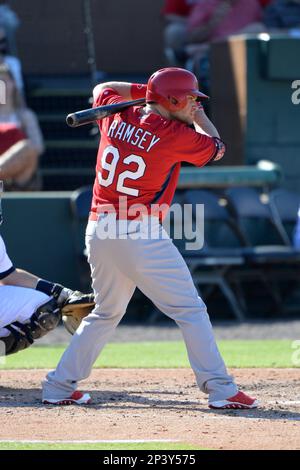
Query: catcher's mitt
x=76, y=307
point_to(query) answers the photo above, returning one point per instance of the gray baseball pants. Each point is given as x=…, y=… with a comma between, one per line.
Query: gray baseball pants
x=156, y=267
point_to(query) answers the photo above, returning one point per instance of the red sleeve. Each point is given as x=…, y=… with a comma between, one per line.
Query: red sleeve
x=107, y=96
x=193, y=147
x=265, y=3
x=176, y=7
x=138, y=90
x=10, y=134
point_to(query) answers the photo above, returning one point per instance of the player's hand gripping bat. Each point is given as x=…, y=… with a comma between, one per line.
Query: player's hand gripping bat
x=95, y=114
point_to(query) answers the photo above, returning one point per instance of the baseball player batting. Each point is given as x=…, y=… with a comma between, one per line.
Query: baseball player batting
x=138, y=162
x=31, y=307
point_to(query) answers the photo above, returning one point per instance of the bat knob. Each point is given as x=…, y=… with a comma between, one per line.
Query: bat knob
x=71, y=120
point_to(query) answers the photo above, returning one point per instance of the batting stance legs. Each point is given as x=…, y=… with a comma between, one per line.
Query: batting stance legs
x=158, y=270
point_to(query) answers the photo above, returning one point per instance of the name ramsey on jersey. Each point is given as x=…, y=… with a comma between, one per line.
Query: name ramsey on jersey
x=137, y=136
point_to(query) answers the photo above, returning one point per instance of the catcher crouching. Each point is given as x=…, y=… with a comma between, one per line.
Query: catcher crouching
x=34, y=313
x=31, y=307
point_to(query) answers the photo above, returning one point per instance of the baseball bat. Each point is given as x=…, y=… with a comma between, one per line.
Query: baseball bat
x=95, y=114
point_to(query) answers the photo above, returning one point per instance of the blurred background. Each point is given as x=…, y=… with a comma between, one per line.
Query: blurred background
x=246, y=55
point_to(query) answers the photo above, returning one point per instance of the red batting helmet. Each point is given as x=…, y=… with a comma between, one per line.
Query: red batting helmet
x=170, y=88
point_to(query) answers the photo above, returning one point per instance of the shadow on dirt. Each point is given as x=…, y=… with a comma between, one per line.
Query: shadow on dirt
x=136, y=400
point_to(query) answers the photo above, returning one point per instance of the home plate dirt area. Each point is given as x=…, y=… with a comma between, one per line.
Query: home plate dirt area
x=155, y=404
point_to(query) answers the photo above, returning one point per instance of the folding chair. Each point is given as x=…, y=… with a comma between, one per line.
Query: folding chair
x=284, y=206
x=266, y=246
x=254, y=217
x=220, y=252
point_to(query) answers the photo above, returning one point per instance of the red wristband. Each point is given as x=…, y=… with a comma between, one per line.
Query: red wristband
x=138, y=90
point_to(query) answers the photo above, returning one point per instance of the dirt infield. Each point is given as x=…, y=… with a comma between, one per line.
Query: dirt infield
x=144, y=404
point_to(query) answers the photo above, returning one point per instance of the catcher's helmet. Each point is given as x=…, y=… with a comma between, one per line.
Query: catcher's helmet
x=170, y=88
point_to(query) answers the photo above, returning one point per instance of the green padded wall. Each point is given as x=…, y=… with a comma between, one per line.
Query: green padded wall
x=37, y=230
x=251, y=101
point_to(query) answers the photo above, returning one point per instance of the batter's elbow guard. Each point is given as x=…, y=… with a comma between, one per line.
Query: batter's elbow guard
x=220, y=149
x=23, y=335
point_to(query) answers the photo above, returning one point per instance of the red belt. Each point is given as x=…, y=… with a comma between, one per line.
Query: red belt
x=94, y=216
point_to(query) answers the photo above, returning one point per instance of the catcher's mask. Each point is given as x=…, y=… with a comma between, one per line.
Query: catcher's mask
x=1, y=191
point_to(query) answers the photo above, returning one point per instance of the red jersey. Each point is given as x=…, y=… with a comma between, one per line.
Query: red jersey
x=139, y=158
x=10, y=134
x=178, y=7
x=265, y=3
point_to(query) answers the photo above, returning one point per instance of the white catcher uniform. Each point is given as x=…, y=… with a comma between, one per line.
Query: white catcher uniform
x=16, y=303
